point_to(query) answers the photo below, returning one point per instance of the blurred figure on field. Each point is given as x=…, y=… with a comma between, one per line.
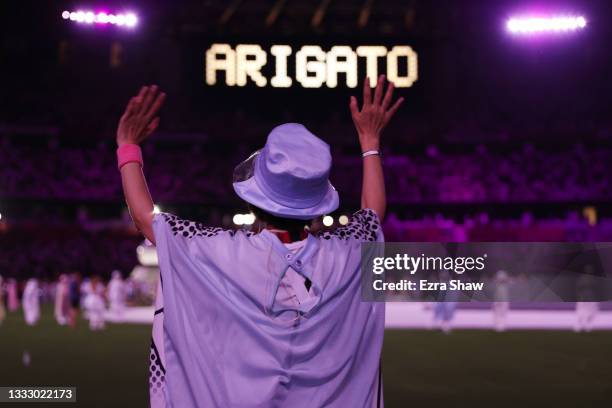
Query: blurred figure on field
x=586, y=309
x=444, y=312
x=31, y=302
x=94, y=303
x=444, y=308
x=2, y=312
x=130, y=288
x=12, y=295
x=74, y=296
x=585, y=314
x=62, y=301
x=501, y=305
x=84, y=289
x=116, y=294
x=47, y=291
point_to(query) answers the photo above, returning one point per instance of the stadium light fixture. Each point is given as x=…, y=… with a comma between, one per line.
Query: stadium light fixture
x=248, y=219
x=127, y=19
x=237, y=219
x=537, y=25
x=244, y=219
x=328, y=221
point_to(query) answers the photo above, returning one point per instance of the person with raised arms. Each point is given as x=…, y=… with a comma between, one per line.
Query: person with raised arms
x=272, y=318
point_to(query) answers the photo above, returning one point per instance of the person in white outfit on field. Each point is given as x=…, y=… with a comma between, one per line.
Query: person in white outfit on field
x=586, y=309
x=116, y=294
x=61, y=301
x=31, y=302
x=94, y=304
x=502, y=303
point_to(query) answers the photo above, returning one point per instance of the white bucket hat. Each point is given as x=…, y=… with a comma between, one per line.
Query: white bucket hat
x=289, y=177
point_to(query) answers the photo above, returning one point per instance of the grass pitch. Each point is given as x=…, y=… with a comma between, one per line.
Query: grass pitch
x=420, y=368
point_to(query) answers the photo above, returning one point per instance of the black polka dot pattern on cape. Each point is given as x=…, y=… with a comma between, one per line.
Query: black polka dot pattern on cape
x=363, y=226
x=157, y=373
x=190, y=229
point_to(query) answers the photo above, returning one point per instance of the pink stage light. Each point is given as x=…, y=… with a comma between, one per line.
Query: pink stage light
x=128, y=19
x=536, y=25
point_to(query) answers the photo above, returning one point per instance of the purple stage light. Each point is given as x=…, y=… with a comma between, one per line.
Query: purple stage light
x=90, y=17
x=536, y=25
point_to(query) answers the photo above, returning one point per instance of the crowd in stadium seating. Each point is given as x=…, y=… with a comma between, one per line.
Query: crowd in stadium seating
x=524, y=175
x=196, y=175
x=49, y=250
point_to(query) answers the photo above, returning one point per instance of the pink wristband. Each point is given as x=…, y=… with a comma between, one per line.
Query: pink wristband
x=128, y=153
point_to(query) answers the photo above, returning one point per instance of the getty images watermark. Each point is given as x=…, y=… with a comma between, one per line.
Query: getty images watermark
x=465, y=272
x=413, y=264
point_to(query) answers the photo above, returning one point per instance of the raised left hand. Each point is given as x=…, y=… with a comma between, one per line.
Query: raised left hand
x=139, y=120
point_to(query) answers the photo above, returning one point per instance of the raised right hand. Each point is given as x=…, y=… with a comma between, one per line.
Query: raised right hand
x=375, y=113
x=139, y=120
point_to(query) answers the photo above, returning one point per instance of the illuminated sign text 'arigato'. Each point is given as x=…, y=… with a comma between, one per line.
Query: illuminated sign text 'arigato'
x=314, y=68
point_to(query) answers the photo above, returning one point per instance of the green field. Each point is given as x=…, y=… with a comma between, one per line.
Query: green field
x=420, y=368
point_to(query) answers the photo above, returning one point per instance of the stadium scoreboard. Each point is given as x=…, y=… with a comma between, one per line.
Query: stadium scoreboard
x=309, y=66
